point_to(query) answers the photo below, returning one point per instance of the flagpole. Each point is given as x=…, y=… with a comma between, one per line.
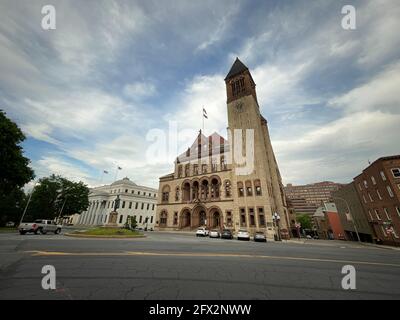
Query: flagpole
x=202, y=116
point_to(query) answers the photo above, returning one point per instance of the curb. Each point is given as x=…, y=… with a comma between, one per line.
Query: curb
x=88, y=236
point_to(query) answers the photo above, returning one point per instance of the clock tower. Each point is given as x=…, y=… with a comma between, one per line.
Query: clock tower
x=244, y=114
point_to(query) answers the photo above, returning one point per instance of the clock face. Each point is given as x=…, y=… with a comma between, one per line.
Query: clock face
x=239, y=107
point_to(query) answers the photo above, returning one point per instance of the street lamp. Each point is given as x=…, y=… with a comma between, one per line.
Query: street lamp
x=351, y=216
x=276, y=218
x=29, y=200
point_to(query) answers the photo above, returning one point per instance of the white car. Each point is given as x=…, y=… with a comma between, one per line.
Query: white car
x=202, y=232
x=243, y=235
x=214, y=234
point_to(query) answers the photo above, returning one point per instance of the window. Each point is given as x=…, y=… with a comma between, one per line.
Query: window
x=138, y=192
x=227, y=186
x=252, y=218
x=242, y=217
x=126, y=190
x=373, y=180
x=398, y=211
x=387, y=214
x=383, y=176
x=377, y=214
x=229, y=218
x=120, y=218
x=359, y=186
x=379, y=194
x=136, y=206
x=204, y=168
x=151, y=219
x=396, y=172
x=390, y=191
x=130, y=205
x=365, y=200
x=133, y=191
x=163, y=218
x=240, y=189
x=123, y=204
x=152, y=207
x=237, y=86
x=370, y=198
x=261, y=217
x=142, y=205
x=370, y=215
x=365, y=184
x=175, y=218
x=140, y=219
x=165, y=194
x=257, y=186
x=144, y=193
x=195, y=169
x=187, y=170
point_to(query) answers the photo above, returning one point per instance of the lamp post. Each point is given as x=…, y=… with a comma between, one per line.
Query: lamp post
x=29, y=200
x=351, y=216
x=276, y=218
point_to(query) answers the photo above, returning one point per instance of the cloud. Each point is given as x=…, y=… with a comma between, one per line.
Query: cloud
x=138, y=90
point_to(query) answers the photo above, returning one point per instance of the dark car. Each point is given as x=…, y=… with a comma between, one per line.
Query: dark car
x=226, y=234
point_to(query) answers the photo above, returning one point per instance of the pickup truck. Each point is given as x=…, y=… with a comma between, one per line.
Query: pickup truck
x=42, y=226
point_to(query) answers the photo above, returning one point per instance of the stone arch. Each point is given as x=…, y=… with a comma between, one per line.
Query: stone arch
x=185, y=218
x=186, y=190
x=195, y=189
x=199, y=216
x=215, y=218
x=165, y=193
x=215, y=185
x=204, y=188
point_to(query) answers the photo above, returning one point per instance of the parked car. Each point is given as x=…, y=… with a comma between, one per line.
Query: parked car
x=42, y=226
x=260, y=236
x=202, y=232
x=226, y=234
x=10, y=224
x=214, y=234
x=243, y=235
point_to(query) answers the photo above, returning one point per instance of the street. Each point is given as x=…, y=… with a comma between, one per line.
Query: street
x=181, y=266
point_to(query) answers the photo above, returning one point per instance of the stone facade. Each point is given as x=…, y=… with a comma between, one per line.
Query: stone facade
x=210, y=187
x=134, y=200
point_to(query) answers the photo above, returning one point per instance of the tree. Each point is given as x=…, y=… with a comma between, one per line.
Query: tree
x=15, y=171
x=131, y=223
x=55, y=194
x=305, y=221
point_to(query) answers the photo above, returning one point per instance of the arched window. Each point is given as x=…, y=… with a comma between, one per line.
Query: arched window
x=163, y=218
x=214, y=188
x=195, y=190
x=257, y=187
x=186, y=191
x=249, y=188
x=227, y=187
x=204, y=189
x=187, y=170
x=165, y=193
x=240, y=189
x=177, y=194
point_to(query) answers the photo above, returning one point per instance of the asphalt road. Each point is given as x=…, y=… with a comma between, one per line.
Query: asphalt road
x=181, y=266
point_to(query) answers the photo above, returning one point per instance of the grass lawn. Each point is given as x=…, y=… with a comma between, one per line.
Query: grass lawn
x=110, y=232
x=7, y=229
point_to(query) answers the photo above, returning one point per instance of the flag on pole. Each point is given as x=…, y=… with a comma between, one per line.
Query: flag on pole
x=105, y=171
x=205, y=113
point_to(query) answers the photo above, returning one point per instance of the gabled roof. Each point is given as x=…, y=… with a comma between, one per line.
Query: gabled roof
x=237, y=68
x=214, y=141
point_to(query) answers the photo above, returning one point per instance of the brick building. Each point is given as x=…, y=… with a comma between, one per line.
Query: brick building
x=378, y=187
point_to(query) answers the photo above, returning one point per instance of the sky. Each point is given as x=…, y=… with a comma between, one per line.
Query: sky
x=94, y=93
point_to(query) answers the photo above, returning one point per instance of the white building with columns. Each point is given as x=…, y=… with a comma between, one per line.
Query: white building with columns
x=135, y=201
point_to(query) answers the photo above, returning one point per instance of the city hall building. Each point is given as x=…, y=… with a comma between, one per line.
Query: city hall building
x=211, y=184
x=134, y=200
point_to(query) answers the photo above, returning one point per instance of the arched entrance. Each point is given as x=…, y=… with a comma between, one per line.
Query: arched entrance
x=199, y=216
x=215, y=218
x=185, y=219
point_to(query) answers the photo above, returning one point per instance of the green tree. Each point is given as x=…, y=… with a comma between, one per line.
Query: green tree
x=305, y=221
x=15, y=171
x=55, y=193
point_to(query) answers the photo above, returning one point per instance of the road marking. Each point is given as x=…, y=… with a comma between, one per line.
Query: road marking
x=191, y=254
